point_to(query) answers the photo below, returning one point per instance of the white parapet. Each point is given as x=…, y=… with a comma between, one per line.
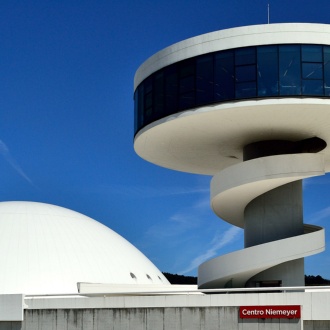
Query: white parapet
x=11, y=307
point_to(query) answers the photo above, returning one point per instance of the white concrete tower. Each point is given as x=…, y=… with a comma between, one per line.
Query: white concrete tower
x=251, y=107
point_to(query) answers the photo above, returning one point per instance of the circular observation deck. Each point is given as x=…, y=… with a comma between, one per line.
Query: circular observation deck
x=200, y=101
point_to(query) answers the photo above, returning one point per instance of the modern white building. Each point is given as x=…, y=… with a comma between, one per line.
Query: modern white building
x=249, y=106
x=47, y=249
x=63, y=270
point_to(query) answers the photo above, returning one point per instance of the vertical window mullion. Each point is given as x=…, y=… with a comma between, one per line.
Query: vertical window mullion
x=267, y=71
x=326, y=70
x=301, y=70
x=245, y=70
x=322, y=63
x=256, y=69
x=312, y=63
x=204, y=79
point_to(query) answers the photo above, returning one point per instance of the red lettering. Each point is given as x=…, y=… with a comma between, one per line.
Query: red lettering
x=280, y=312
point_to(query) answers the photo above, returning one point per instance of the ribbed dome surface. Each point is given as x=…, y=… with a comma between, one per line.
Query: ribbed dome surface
x=48, y=249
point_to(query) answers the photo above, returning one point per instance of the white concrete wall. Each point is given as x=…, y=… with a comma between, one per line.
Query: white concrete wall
x=11, y=307
x=186, y=318
x=315, y=305
x=176, y=311
x=253, y=35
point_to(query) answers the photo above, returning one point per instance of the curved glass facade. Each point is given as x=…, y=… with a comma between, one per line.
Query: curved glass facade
x=235, y=74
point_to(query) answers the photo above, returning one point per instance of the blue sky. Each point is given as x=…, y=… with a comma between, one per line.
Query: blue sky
x=66, y=128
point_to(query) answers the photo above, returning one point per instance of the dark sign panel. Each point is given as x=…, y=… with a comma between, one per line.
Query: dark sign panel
x=270, y=312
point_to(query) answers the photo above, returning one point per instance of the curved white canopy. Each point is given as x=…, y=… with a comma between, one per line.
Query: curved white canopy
x=47, y=249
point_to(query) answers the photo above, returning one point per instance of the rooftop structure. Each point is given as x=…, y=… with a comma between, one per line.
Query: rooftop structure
x=249, y=106
x=47, y=249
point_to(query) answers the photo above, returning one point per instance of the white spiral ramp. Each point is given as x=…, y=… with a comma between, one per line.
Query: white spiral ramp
x=235, y=187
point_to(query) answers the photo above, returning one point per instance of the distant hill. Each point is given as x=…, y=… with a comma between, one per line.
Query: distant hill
x=310, y=280
x=180, y=279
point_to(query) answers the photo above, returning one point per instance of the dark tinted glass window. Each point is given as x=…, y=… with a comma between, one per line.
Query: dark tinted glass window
x=312, y=71
x=311, y=53
x=245, y=90
x=312, y=87
x=245, y=73
x=204, y=79
x=289, y=70
x=244, y=56
x=187, y=68
x=148, y=98
x=136, y=109
x=140, y=101
x=148, y=102
x=187, y=100
x=148, y=85
x=327, y=70
x=267, y=70
x=224, y=76
x=187, y=84
x=262, y=71
x=171, y=89
x=159, y=96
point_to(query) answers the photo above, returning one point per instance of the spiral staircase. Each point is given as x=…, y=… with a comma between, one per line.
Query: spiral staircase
x=232, y=190
x=250, y=107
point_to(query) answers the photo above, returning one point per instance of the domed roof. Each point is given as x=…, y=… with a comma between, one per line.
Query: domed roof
x=48, y=249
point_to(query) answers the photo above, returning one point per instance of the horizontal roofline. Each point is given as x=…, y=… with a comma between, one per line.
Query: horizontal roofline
x=253, y=35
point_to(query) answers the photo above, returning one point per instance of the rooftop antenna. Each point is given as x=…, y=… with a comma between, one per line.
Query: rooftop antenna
x=268, y=12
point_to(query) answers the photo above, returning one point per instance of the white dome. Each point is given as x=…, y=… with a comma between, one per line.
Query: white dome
x=48, y=249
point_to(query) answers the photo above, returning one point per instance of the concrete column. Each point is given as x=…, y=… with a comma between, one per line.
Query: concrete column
x=272, y=216
x=277, y=214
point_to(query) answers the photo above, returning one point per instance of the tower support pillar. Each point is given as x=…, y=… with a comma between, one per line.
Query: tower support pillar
x=276, y=215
